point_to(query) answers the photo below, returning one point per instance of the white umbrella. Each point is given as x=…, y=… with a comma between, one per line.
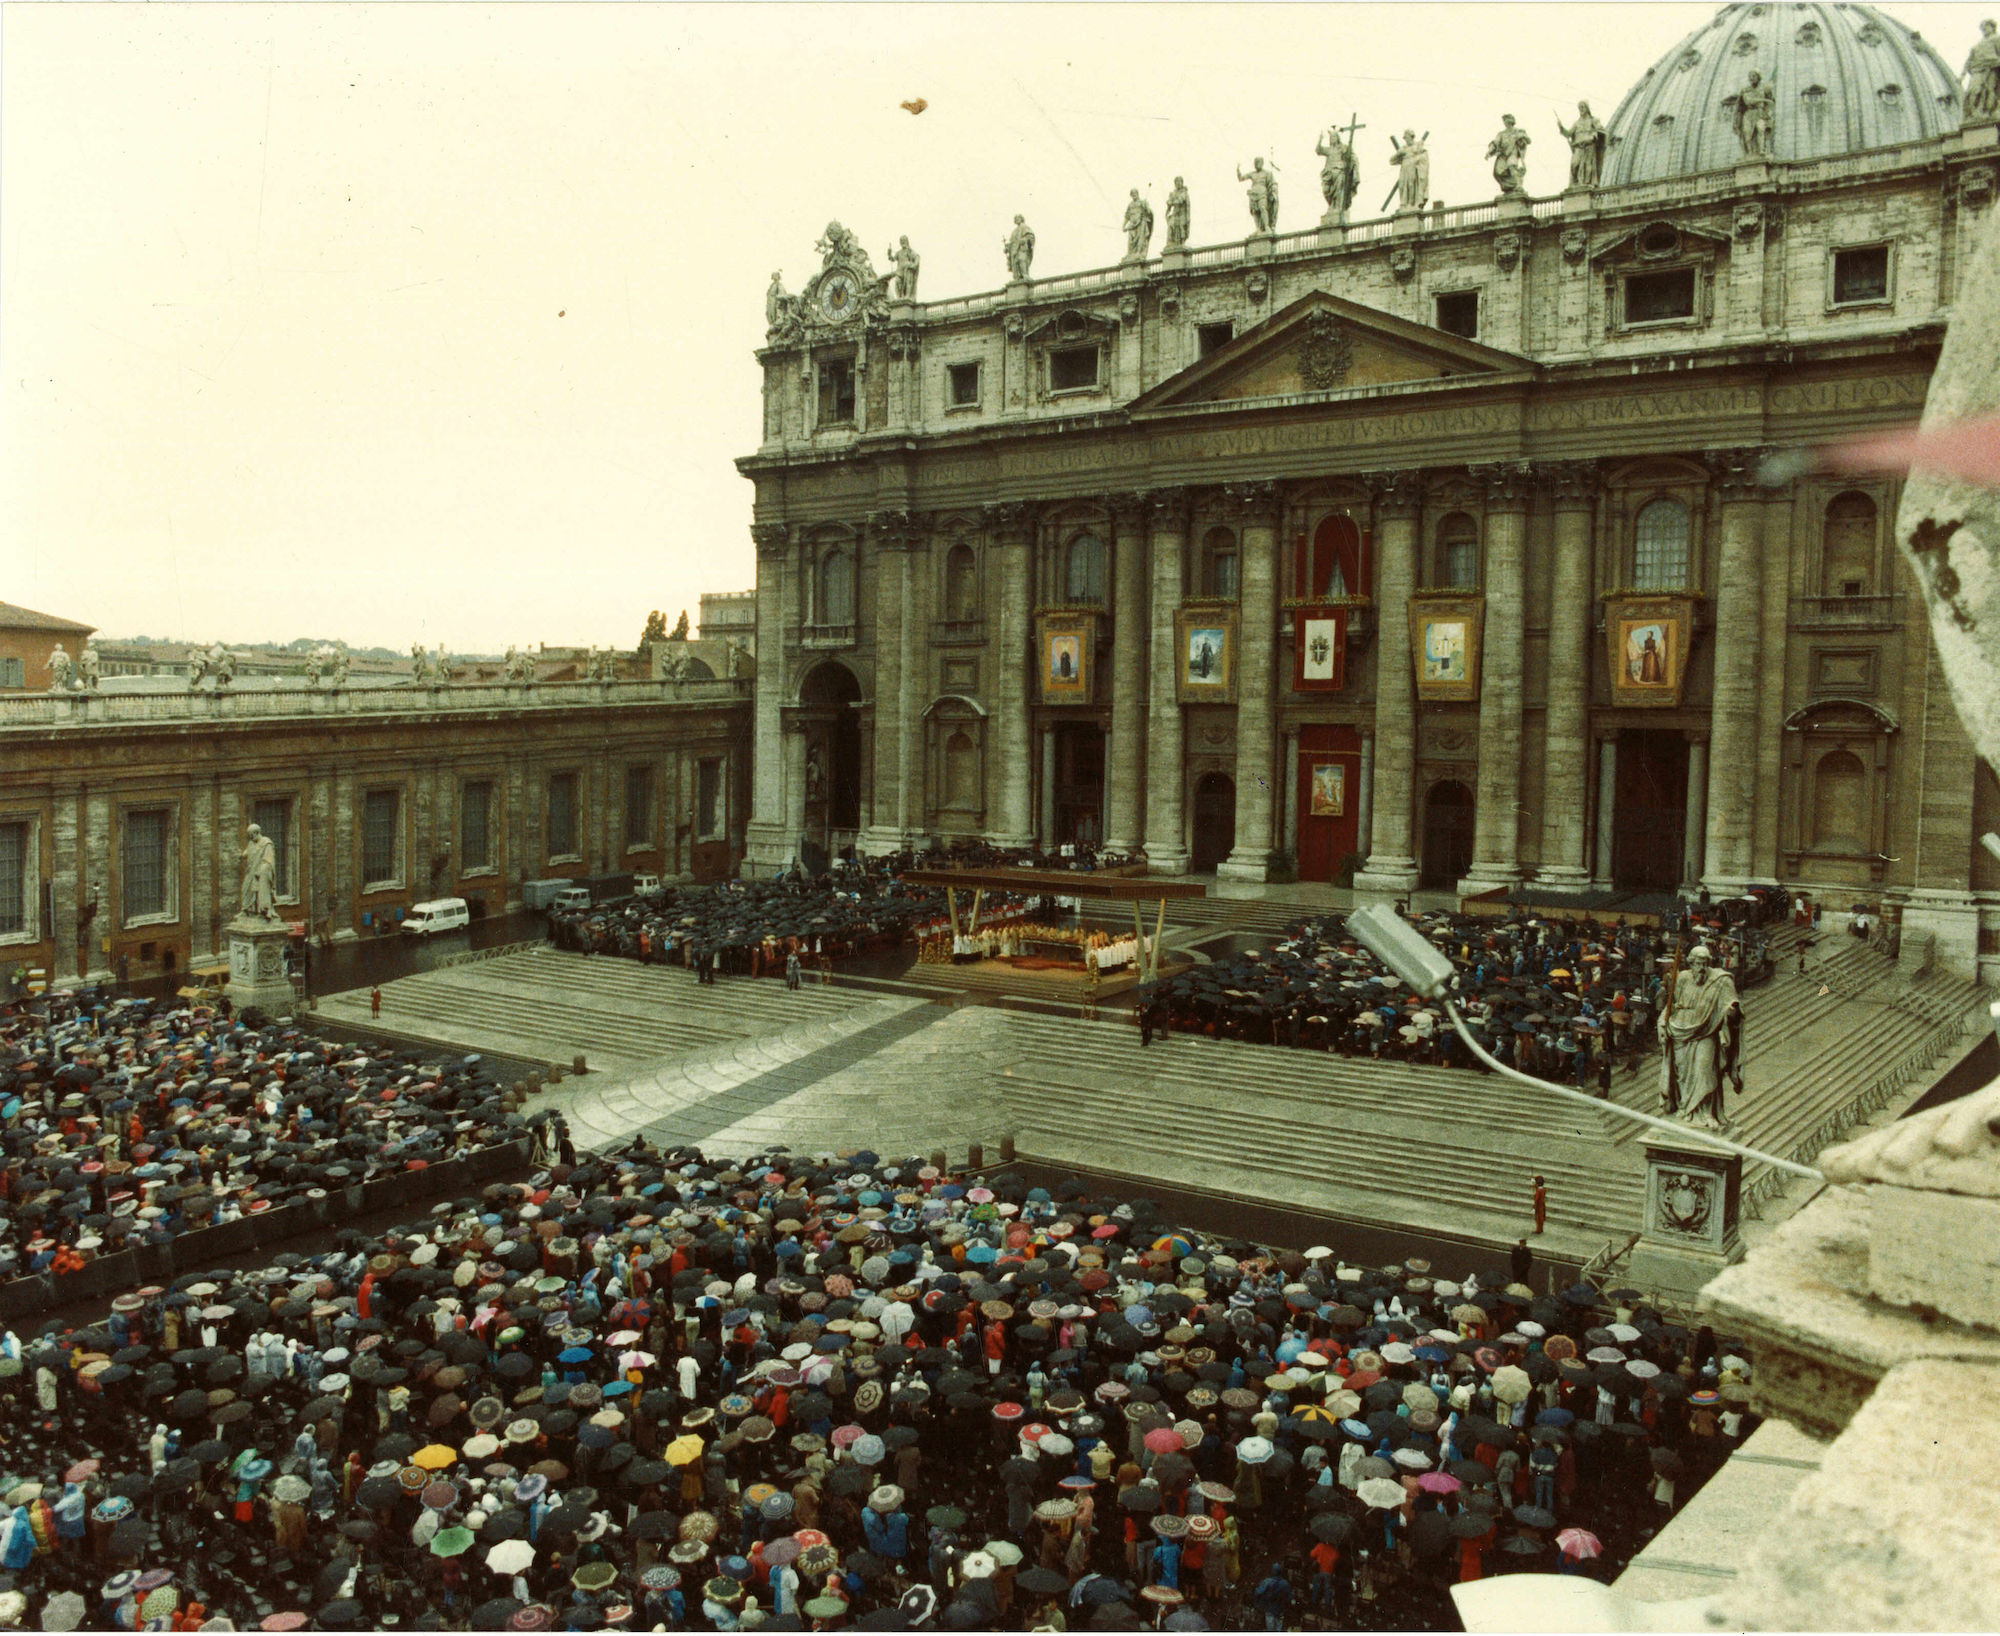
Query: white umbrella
x=977, y=1565
x=1642, y=1369
x=1624, y=1334
x=868, y=1450
x=1511, y=1384
x=510, y=1556
x=1382, y=1494
x=1254, y=1451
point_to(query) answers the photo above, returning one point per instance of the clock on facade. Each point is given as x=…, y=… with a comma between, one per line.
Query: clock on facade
x=838, y=297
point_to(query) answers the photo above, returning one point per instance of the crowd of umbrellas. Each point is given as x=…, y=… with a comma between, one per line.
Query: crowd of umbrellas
x=662, y=1390
x=124, y=1122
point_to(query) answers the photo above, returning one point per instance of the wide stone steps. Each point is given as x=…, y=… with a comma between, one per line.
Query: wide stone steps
x=1267, y=916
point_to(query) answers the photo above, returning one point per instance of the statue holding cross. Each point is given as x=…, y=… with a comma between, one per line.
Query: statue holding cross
x=1340, y=172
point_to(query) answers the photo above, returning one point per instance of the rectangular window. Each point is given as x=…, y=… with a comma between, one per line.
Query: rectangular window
x=1861, y=275
x=273, y=815
x=475, y=825
x=146, y=835
x=964, y=383
x=381, y=837
x=708, y=798
x=13, y=673
x=1458, y=313
x=13, y=878
x=1213, y=337
x=1072, y=368
x=562, y=815
x=836, y=392
x=1654, y=298
x=638, y=806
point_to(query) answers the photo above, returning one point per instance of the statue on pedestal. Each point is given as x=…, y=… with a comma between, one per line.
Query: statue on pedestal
x=1138, y=228
x=1586, y=140
x=778, y=306
x=1756, y=117
x=1982, y=76
x=1262, y=195
x=339, y=666
x=907, y=264
x=59, y=669
x=315, y=659
x=260, y=876
x=1340, y=172
x=1178, y=216
x=1413, y=162
x=89, y=668
x=1019, y=246
x=420, y=663
x=1701, y=1036
x=1509, y=152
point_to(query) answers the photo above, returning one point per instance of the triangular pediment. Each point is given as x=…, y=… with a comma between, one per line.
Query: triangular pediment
x=1324, y=343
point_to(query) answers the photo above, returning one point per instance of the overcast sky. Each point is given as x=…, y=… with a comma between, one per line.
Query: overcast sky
x=435, y=322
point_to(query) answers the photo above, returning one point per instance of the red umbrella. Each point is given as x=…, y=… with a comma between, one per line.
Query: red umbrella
x=1164, y=1440
x=1579, y=1543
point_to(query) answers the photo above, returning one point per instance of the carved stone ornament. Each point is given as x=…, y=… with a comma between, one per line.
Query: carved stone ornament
x=771, y=538
x=1257, y=286
x=846, y=292
x=1128, y=308
x=1975, y=187
x=1507, y=252
x=1403, y=263
x=1749, y=221
x=1686, y=1200
x=1170, y=302
x=1326, y=354
x=1575, y=243
x=1017, y=325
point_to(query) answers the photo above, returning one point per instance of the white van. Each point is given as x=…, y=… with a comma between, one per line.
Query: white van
x=439, y=915
x=645, y=883
x=572, y=897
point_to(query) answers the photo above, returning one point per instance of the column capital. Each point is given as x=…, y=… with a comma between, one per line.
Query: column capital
x=1572, y=484
x=1014, y=519
x=1735, y=472
x=1252, y=502
x=1128, y=508
x=1509, y=484
x=1396, y=493
x=772, y=538
x=1168, y=506
x=895, y=530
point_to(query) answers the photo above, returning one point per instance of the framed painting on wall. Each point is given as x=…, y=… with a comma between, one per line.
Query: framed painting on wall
x=1445, y=643
x=1067, y=659
x=1648, y=638
x=1329, y=790
x=1206, y=647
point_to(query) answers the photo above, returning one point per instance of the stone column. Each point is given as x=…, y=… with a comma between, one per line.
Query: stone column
x=768, y=841
x=69, y=890
x=1166, y=776
x=1392, y=863
x=1364, y=795
x=1257, y=607
x=1496, y=843
x=1732, y=781
x=1607, y=805
x=1010, y=820
x=1124, y=749
x=794, y=789
x=1289, y=841
x=1697, y=810
x=1565, y=744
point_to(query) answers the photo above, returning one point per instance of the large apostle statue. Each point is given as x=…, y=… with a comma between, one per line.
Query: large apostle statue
x=1701, y=1036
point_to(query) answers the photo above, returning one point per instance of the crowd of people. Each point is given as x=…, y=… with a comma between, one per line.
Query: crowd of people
x=1557, y=997
x=657, y=1390
x=126, y=1121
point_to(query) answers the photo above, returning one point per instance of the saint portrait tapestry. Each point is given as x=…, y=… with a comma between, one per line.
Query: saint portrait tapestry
x=1329, y=789
x=1207, y=645
x=1068, y=643
x=1649, y=638
x=1445, y=634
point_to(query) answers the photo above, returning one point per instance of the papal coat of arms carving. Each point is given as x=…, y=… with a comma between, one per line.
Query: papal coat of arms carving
x=1326, y=354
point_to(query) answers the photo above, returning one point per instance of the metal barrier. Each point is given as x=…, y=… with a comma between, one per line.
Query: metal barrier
x=472, y=957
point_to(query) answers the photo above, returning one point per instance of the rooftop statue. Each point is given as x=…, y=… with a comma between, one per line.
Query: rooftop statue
x=1982, y=76
x=1262, y=195
x=1339, y=171
x=1413, y=161
x=59, y=669
x=1138, y=227
x=907, y=264
x=1178, y=216
x=1756, y=117
x=1509, y=152
x=1586, y=140
x=1019, y=246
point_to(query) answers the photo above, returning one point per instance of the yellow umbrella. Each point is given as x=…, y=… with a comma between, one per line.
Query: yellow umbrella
x=435, y=1457
x=684, y=1450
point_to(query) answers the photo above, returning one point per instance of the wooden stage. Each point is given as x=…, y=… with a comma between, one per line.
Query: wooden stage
x=1037, y=982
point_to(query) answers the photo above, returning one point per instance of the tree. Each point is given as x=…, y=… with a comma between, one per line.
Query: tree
x=681, y=627
x=656, y=628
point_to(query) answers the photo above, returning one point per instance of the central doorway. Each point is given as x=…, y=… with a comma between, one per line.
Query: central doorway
x=1079, y=789
x=1649, y=825
x=1214, y=822
x=1448, y=815
x=833, y=762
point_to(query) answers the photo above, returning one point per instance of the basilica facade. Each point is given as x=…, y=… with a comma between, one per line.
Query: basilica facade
x=1443, y=549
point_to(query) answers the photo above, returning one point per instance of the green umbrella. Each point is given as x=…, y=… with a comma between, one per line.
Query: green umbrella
x=451, y=1541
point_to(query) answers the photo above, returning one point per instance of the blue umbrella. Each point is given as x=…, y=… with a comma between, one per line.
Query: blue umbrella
x=1554, y=1417
x=574, y=1354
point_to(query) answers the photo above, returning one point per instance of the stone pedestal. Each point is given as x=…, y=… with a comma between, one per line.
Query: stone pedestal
x=1257, y=247
x=1513, y=207
x=257, y=965
x=1690, y=1232
x=1176, y=260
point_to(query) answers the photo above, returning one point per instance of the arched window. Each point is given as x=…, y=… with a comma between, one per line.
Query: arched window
x=1219, y=564
x=1083, y=570
x=961, y=771
x=1660, y=547
x=1457, y=553
x=1847, y=546
x=1333, y=567
x=1840, y=803
x=961, y=584
x=836, y=589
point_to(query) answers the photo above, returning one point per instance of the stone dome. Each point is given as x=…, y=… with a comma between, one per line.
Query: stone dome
x=1847, y=78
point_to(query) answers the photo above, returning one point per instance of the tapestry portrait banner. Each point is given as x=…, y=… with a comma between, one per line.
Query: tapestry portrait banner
x=1648, y=638
x=1319, y=649
x=1206, y=644
x=1067, y=655
x=1445, y=643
